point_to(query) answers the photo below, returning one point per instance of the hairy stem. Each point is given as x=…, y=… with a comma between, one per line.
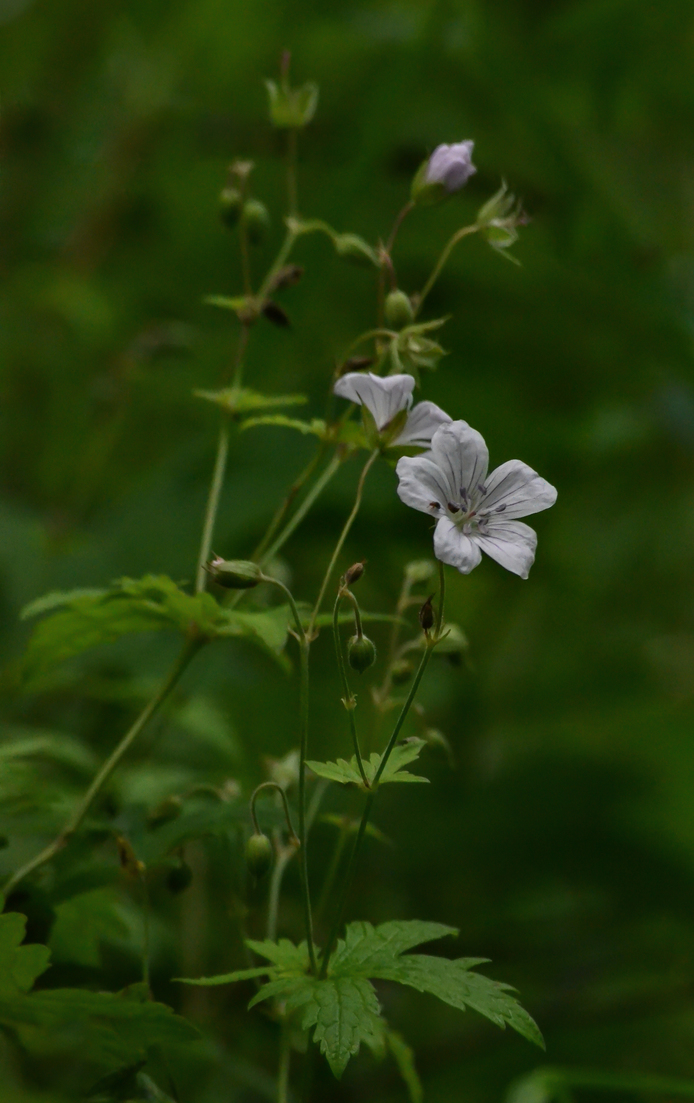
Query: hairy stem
x=75, y=820
x=212, y=508
x=348, y=700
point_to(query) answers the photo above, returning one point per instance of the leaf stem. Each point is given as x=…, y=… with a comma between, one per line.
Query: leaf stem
x=212, y=508
x=192, y=646
x=348, y=700
x=343, y=536
x=448, y=249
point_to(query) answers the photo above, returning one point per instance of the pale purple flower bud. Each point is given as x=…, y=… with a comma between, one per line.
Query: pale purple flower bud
x=451, y=166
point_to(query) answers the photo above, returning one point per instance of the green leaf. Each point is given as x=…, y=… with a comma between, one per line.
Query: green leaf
x=267, y=626
x=342, y=432
x=82, y=923
x=19, y=965
x=455, y=984
x=241, y=400
x=283, y=954
x=114, y=1027
x=365, y=946
x=347, y=773
x=55, y=599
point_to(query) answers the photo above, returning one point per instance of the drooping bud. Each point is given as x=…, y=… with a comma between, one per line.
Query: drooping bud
x=230, y=205
x=259, y=855
x=256, y=219
x=361, y=653
x=354, y=248
x=426, y=615
x=234, y=574
x=169, y=809
x=354, y=573
x=398, y=310
x=275, y=314
x=447, y=170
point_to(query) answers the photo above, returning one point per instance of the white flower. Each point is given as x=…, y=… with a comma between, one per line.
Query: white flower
x=451, y=166
x=384, y=398
x=475, y=513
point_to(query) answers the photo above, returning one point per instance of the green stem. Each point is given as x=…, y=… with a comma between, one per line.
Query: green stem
x=254, y=796
x=317, y=489
x=292, y=200
x=284, y=857
x=441, y=261
x=283, y=1070
x=348, y=700
x=343, y=536
x=75, y=820
x=617, y=1081
x=304, y=647
x=280, y=259
x=285, y=506
x=331, y=872
x=213, y=497
x=349, y=873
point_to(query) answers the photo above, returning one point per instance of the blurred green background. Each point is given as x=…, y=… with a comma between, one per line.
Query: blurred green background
x=562, y=843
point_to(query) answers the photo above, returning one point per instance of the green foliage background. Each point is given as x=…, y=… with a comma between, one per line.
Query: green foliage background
x=562, y=844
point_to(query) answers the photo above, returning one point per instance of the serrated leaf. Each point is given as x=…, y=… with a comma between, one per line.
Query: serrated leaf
x=82, y=923
x=343, y=1012
x=268, y=626
x=115, y=1026
x=347, y=773
x=55, y=599
x=455, y=984
x=284, y=954
x=365, y=945
x=19, y=965
x=241, y=400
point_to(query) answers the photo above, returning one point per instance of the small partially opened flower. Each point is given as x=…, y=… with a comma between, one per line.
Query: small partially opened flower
x=448, y=169
x=475, y=513
x=389, y=400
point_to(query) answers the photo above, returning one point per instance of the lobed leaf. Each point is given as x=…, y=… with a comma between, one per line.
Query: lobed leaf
x=347, y=773
x=344, y=1012
x=19, y=965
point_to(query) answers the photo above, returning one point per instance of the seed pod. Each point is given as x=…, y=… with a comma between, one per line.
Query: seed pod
x=259, y=855
x=234, y=574
x=230, y=206
x=398, y=310
x=361, y=653
x=257, y=220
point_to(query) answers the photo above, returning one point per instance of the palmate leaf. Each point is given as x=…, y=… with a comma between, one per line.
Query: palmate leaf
x=347, y=773
x=343, y=1010
x=80, y=620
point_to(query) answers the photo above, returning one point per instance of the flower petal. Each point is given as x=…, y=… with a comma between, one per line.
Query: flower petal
x=383, y=397
x=518, y=489
x=422, y=485
x=462, y=455
x=510, y=543
x=451, y=545
x=421, y=424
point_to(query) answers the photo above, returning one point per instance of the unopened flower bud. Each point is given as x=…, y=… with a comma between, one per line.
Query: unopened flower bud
x=398, y=310
x=256, y=219
x=291, y=108
x=259, y=855
x=275, y=314
x=354, y=248
x=286, y=277
x=230, y=205
x=426, y=615
x=361, y=653
x=354, y=573
x=234, y=574
x=446, y=171
x=401, y=671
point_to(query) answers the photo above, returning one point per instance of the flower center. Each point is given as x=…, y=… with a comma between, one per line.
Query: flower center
x=469, y=513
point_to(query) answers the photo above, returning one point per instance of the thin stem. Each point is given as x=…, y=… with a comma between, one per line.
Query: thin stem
x=346, y=886
x=254, y=796
x=243, y=246
x=304, y=647
x=292, y=201
x=145, y=928
x=348, y=700
x=237, y=378
x=286, y=505
x=317, y=489
x=283, y=858
x=280, y=259
x=441, y=261
x=343, y=536
x=409, y=206
x=331, y=872
x=76, y=818
x=213, y=497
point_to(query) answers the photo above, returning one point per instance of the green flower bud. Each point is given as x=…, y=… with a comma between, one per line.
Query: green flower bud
x=361, y=653
x=230, y=205
x=398, y=310
x=257, y=220
x=291, y=108
x=179, y=877
x=234, y=574
x=354, y=248
x=259, y=855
